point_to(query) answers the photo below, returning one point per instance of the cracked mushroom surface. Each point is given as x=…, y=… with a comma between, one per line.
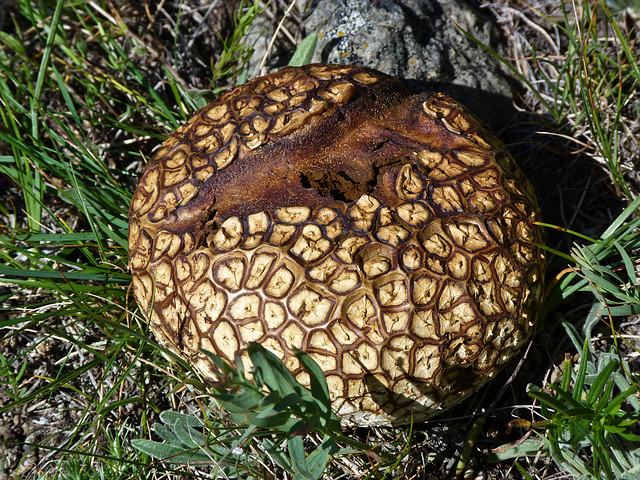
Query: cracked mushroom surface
x=329, y=209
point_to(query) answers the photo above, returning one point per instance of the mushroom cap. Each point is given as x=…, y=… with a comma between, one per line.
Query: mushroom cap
x=329, y=209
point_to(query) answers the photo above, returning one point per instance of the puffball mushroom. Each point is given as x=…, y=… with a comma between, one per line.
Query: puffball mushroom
x=330, y=209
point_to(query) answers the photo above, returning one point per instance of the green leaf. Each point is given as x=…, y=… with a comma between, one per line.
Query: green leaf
x=624, y=310
x=169, y=453
x=632, y=437
x=317, y=462
x=170, y=417
x=270, y=418
x=277, y=454
x=610, y=232
x=244, y=400
x=628, y=263
x=614, y=405
x=580, y=376
x=65, y=276
x=304, y=52
x=318, y=459
x=528, y=448
x=165, y=433
x=298, y=458
x=269, y=370
x=12, y=43
x=188, y=435
x=201, y=98
x=599, y=385
x=318, y=382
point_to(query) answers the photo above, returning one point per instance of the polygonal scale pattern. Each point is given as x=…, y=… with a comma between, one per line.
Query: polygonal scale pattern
x=329, y=209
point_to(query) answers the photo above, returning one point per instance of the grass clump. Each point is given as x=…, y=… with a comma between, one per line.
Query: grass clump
x=583, y=77
x=583, y=73
x=587, y=431
x=587, y=422
x=285, y=416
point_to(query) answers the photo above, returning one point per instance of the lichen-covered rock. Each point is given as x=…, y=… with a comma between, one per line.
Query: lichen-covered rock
x=418, y=40
x=329, y=209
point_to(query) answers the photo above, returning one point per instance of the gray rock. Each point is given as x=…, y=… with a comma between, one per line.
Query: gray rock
x=417, y=40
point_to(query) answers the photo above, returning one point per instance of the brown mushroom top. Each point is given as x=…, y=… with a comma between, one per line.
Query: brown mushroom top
x=330, y=209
